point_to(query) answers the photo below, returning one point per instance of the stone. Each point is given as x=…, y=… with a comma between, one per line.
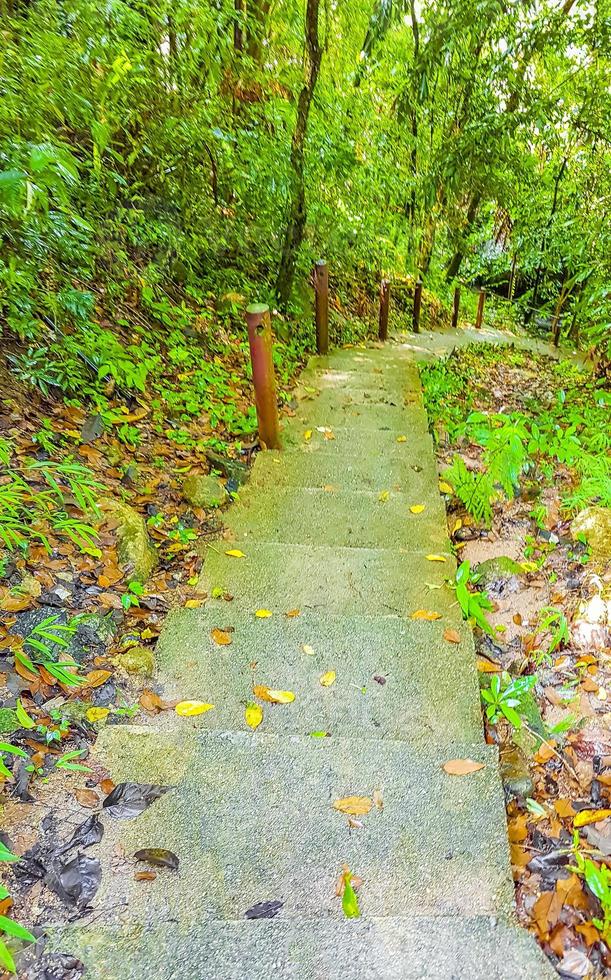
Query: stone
x=515, y=772
x=136, y=553
x=137, y=660
x=497, y=570
x=203, y=491
x=8, y=721
x=594, y=524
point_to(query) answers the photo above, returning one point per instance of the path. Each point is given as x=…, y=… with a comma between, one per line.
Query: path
x=251, y=816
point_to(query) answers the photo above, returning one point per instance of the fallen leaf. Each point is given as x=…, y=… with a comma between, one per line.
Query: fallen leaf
x=436, y=558
x=356, y=806
x=445, y=487
x=350, y=904
x=158, y=856
x=426, y=614
x=462, y=767
x=563, y=808
x=309, y=650
x=107, y=786
x=145, y=875
x=97, y=714
x=293, y=613
x=383, y=496
x=14, y=603
x=95, y=678
x=265, y=693
x=585, y=817
x=235, y=553
x=517, y=618
x=253, y=714
x=194, y=603
x=263, y=613
x=221, y=637
x=187, y=709
x=307, y=435
x=319, y=734
x=544, y=753
x=378, y=799
x=328, y=678
x=488, y=667
x=417, y=508
x=151, y=702
x=452, y=636
x=263, y=910
x=87, y=797
x=401, y=438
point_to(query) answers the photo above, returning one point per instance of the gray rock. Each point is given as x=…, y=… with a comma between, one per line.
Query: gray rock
x=137, y=660
x=497, y=571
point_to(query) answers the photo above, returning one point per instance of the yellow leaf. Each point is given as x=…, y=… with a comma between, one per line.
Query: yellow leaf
x=417, y=508
x=401, y=438
x=328, y=678
x=457, y=525
x=426, y=614
x=309, y=650
x=585, y=817
x=384, y=495
x=187, y=709
x=235, y=553
x=435, y=558
x=265, y=693
x=356, y=806
x=263, y=613
x=462, y=767
x=307, y=435
x=253, y=715
x=445, y=487
x=452, y=636
x=193, y=603
x=97, y=714
x=221, y=637
x=488, y=667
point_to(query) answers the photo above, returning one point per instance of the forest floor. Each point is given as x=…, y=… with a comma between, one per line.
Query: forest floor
x=72, y=601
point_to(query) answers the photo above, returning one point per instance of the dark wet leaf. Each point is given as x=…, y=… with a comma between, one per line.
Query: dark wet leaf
x=92, y=428
x=158, y=856
x=379, y=679
x=78, y=880
x=128, y=800
x=264, y=910
x=90, y=832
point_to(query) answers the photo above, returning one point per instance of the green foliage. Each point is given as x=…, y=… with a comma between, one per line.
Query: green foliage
x=508, y=697
x=598, y=879
x=34, y=501
x=474, y=605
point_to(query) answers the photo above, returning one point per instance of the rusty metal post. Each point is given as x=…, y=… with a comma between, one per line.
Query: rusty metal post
x=321, y=290
x=456, y=308
x=480, y=309
x=417, y=305
x=384, y=304
x=264, y=381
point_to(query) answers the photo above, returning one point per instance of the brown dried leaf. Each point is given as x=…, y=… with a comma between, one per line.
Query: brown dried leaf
x=462, y=767
x=452, y=636
x=221, y=637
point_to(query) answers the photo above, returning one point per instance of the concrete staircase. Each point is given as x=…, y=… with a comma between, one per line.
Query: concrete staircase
x=251, y=814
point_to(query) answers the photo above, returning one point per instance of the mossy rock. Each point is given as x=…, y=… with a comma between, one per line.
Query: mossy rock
x=203, y=491
x=135, y=551
x=594, y=524
x=137, y=660
x=500, y=569
x=8, y=721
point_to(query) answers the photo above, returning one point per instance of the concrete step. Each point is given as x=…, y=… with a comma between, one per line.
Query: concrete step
x=251, y=819
x=424, y=948
x=396, y=382
x=332, y=409
x=392, y=472
x=338, y=517
x=414, y=445
x=416, y=693
x=340, y=581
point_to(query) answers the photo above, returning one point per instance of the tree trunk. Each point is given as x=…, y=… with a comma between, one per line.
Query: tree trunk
x=456, y=260
x=258, y=11
x=296, y=214
x=539, y=272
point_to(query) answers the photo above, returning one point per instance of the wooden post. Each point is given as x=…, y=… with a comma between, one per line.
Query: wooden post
x=512, y=278
x=384, y=304
x=260, y=341
x=456, y=308
x=480, y=309
x=417, y=305
x=321, y=290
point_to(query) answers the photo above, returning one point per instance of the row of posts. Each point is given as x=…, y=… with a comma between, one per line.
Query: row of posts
x=260, y=341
